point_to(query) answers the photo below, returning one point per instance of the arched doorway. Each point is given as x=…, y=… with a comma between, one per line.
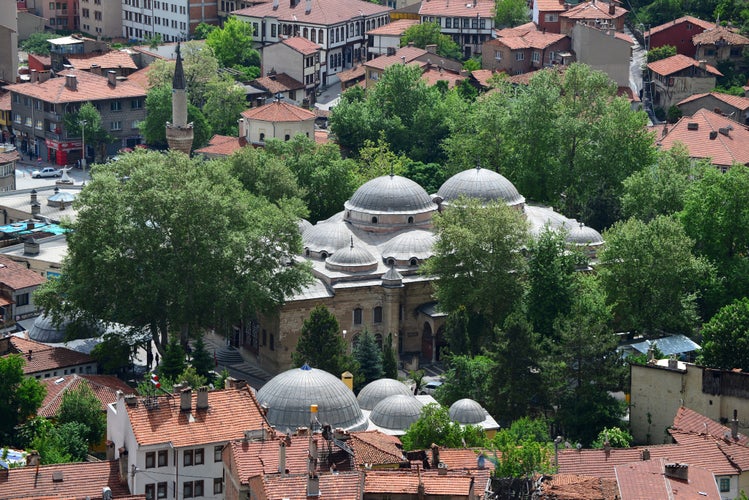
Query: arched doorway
x=427, y=348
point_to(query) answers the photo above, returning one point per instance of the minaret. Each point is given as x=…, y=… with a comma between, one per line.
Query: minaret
x=179, y=133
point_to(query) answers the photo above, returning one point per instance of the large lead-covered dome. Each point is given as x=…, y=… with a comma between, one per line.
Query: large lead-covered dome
x=351, y=259
x=396, y=412
x=289, y=395
x=482, y=184
x=467, y=411
x=390, y=194
x=376, y=391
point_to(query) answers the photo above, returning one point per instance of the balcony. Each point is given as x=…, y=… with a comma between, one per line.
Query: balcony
x=52, y=116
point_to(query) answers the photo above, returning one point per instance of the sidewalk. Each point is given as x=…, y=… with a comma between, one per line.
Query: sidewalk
x=243, y=366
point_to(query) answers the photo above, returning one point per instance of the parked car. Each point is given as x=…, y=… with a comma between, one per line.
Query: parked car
x=431, y=387
x=46, y=172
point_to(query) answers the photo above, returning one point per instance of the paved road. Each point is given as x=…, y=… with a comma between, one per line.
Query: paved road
x=25, y=181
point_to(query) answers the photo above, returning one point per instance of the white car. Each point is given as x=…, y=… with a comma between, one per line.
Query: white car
x=46, y=172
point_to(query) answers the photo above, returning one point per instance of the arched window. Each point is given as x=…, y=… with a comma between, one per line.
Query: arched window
x=410, y=220
x=321, y=37
x=313, y=34
x=374, y=220
x=323, y=255
x=391, y=261
x=377, y=315
x=262, y=137
x=358, y=316
x=306, y=252
x=286, y=137
x=414, y=262
x=305, y=35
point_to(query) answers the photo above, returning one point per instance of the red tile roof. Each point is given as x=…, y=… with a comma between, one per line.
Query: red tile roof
x=17, y=276
x=679, y=62
x=593, y=10
x=230, y=412
x=625, y=37
x=433, y=75
x=322, y=136
x=453, y=484
x=302, y=45
x=278, y=111
x=686, y=19
x=324, y=12
x=44, y=357
x=4, y=101
x=222, y=145
x=482, y=76
x=723, y=150
x=140, y=77
x=483, y=8
x=396, y=28
x=278, y=83
x=110, y=60
x=647, y=479
x=738, y=102
x=105, y=388
x=713, y=35
x=341, y=486
x=550, y=5
x=374, y=447
x=529, y=40
x=463, y=458
x=8, y=157
x=79, y=480
x=351, y=74
x=384, y=61
x=89, y=87
x=689, y=424
x=517, y=30
x=575, y=487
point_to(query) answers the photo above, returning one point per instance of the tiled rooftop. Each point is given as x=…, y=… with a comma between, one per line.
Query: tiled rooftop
x=593, y=10
x=324, y=12
x=686, y=19
x=482, y=76
x=529, y=40
x=341, y=486
x=79, y=480
x=550, y=5
x=44, y=357
x=352, y=73
x=111, y=60
x=738, y=102
x=713, y=35
x=302, y=45
x=410, y=54
x=517, y=30
x=4, y=100
x=105, y=388
x=482, y=8
x=17, y=276
x=230, y=412
x=278, y=111
x=433, y=75
x=279, y=83
x=647, y=479
x=9, y=157
x=222, y=145
x=89, y=87
x=679, y=62
x=575, y=487
x=375, y=447
x=395, y=28
x=451, y=484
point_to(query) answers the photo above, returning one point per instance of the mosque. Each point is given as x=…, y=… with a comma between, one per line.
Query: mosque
x=365, y=262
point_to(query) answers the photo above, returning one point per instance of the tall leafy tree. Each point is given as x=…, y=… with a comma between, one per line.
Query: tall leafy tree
x=265, y=174
x=321, y=344
x=62, y=444
x=82, y=406
x=155, y=268
x=389, y=358
x=224, y=102
x=725, y=338
x=113, y=353
x=524, y=450
x=20, y=396
x=87, y=121
x=424, y=34
x=200, y=67
x=201, y=360
x=38, y=43
x=662, y=52
x=232, y=45
x=368, y=356
x=651, y=276
x=477, y=262
x=467, y=377
x=435, y=427
x=173, y=361
x=509, y=13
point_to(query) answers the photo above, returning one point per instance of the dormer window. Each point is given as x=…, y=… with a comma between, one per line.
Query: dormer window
x=414, y=262
x=410, y=220
x=374, y=220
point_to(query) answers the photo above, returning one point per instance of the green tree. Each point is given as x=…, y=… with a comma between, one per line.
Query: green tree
x=201, y=359
x=616, y=437
x=20, y=397
x=510, y=13
x=368, y=356
x=434, y=426
x=64, y=443
x=203, y=29
x=38, y=43
x=389, y=358
x=467, y=377
x=424, y=34
x=651, y=276
x=173, y=361
x=725, y=338
x=477, y=254
x=191, y=377
x=232, y=44
x=662, y=52
x=264, y=174
x=225, y=101
x=113, y=354
x=524, y=450
x=321, y=344
x=159, y=106
x=200, y=67
x=87, y=120
x=82, y=406
x=155, y=268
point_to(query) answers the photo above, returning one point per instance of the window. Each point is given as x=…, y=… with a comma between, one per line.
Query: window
x=150, y=492
x=536, y=57
x=725, y=484
x=187, y=489
x=218, y=486
x=519, y=56
x=497, y=55
x=163, y=458
x=188, y=456
x=358, y=316
x=161, y=490
x=150, y=460
x=199, y=457
x=115, y=106
x=217, y=449
x=374, y=220
x=39, y=124
x=273, y=31
x=97, y=15
x=262, y=136
x=84, y=13
x=551, y=18
x=377, y=314
x=22, y=300
x=135, y=124
x=286, y=137
x=116, y=125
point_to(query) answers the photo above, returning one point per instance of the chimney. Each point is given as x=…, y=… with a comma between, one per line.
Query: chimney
x=677, y=471
x=112, y=78
x=646, y=454
x=185, y=399
x=673, y=363
x=44, y=76
x=96, y=69
x=702, y=64
x=71, y=82
x=612, y=8
x=36, y=208
x=242, y=133
x=308, y=7
x=122, y=462
x=57, y=476
x=30, y=247
x=131, y=400
x=313, y=480
x=202, y=403
x=735, y=425
x=713, y=135
x=435, y=455
x=282, y=457
x=431, y=48
x=28, y=356
x=34, y=76
x=275, y=4
x=725, y=131
x=33, y=195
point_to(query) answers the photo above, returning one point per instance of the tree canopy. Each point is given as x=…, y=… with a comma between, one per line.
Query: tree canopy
x=37, y=43
x=509, y=13
x=725, y=338
x=435, y=427
x=232, y=44
x=159, y=105
x=424, y=34
x=82, y=406
x=321, y=344
x=20, y=396
x=87, y=121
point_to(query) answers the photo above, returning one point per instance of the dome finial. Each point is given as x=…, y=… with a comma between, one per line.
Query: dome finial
x=392, y=170
x=478, y=164
x=352, y=242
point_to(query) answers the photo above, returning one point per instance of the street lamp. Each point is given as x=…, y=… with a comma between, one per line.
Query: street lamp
x=83, y=124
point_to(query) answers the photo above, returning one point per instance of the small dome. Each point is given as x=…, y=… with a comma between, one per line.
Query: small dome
x=467, y=411
x=541, y=217
x=303, y=225
x=485, y=185
x=376, y=391
x=327, y=237
x=390, y=194
x=396, y=412
x=582, y=235
x=44, y=330
x=392, y=278
x=352, y=259
x=290, y=394
x=411, y=244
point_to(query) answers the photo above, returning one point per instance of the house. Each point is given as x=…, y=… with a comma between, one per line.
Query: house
x=8, y=159
x=387, y=39
x=677, y=77
x=60, y=48
x=172, y=20
x=428, y=60
x=102, y=18
x=8, y=42
x=276, y=120
x=277, y=85
x=43, y=361
x=663, y=479
x=171, y=446
x=298, y=58
x=39, y=108
x=339, y=28
x=118, y=61
x=221, y=146
x=429, y=485
x=351, y=77
x=709, y=136
x=104, y=387
x=678, y=33
x=5, y=117
x=518, y=53
x=734, y=107
x=575, y=487
x=17, y=283
x=62, y=15
x=720, y=44
x=594, y=13
x=93, y=480
x=545, y=15
x=27, y=208
x=604, y=50
x=468, y=23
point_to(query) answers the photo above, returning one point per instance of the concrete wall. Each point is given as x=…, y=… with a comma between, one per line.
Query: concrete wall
x=278, y=130
x=283, y=59
x=601, y=50
x=8, y=42
x=683, y=87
